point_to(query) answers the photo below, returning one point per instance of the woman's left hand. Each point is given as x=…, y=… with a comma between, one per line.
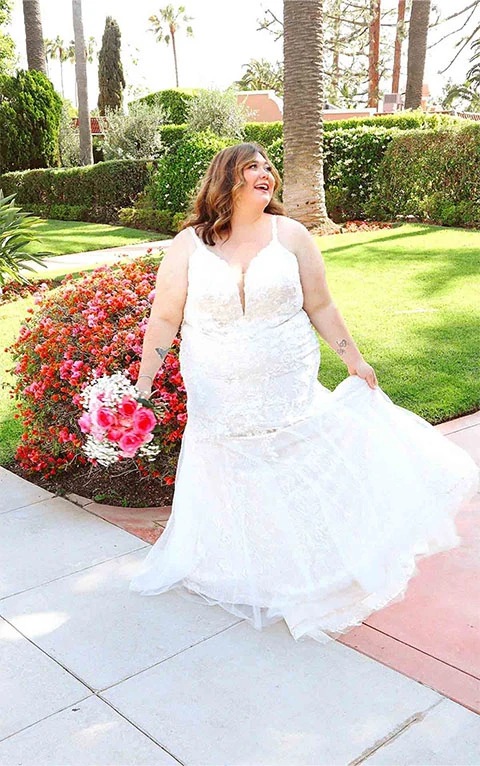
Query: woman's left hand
x=364, y=371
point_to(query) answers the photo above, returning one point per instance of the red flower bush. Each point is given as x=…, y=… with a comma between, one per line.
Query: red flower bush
x=95, y=323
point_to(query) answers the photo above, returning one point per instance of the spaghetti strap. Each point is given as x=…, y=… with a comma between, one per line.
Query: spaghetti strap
x=195, y=236
x=274, y=229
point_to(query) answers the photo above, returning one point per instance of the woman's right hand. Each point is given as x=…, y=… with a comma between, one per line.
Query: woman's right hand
x=145, y=393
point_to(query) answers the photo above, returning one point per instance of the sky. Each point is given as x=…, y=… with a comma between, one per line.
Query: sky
x=225, y=38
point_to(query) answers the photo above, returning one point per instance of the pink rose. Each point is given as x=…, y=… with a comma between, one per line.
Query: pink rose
x=144, y=421
x=85, y=423
x=151, y=295
x=115, y=433
x=129, y=443
x=104, y=417
x=127, y=406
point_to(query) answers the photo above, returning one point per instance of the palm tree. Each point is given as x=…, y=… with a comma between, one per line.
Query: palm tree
x=34, y=35
x=86, y=153
x=303, y=101
x=417, y=49
x=56, y=49
x=169, y=18
x=262, y=75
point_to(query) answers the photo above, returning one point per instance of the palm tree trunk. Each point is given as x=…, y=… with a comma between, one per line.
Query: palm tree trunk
x=175, y=57
x=417, y=49
x=374, y=53
x=303, y=102
x=86, y=154
x=397, y=58
x=61, y=74
x=34, y=35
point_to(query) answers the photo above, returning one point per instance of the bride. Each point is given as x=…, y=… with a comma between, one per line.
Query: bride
x=291, y=501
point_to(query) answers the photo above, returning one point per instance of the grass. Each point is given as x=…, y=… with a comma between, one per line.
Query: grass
x=409, y=296
x=66, y=237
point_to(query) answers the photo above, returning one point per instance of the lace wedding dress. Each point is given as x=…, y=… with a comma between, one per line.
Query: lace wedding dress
x=293, y=501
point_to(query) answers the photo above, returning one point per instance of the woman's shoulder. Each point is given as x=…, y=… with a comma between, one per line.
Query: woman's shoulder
x=288, y=230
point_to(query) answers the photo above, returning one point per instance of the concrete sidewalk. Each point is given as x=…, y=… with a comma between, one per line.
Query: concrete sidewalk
x=109, y=255
x=92, y=673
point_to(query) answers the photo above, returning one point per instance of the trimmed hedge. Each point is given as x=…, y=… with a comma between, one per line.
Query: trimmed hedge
x=351, y=161
x=175, y=100
x=433, y=175
x=402, y=120
x=100, y=190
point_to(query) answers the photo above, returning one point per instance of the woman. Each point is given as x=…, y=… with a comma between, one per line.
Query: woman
x=291, y=501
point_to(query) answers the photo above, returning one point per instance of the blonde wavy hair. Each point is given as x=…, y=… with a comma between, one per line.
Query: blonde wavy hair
x=212, y=209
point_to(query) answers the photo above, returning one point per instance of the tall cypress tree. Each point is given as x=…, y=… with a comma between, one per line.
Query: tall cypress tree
x=111, y=81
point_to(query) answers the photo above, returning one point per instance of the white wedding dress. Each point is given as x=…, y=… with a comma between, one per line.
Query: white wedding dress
x=293, y=501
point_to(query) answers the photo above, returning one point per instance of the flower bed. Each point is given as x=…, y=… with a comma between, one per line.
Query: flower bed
x=96, y=323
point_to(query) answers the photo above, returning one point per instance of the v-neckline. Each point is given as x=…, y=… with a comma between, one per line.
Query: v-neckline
x=243, y=306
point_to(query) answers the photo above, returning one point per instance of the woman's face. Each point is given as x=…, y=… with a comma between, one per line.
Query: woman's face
x=258, y=174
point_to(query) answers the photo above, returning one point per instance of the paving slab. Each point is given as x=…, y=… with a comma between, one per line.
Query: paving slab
x=16, y=492
x=146, y=523
x=83, y=734
x=440, y=615
x=447, y=735
x=52, y=538
x=33, y=684
x=251, y=697
x=468, y=439
x=465, y=421
x=102, y=632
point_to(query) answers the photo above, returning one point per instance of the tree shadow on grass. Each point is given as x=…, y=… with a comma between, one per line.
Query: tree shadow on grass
x=437, y=268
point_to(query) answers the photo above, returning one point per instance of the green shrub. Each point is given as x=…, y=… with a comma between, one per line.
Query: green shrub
x=351, y=161
x=69, y=212
x=175, y=102
x=133, y=136
x=30, y=112
x=146, y=218
x=171, y=135
x=103, y=188
x=217, y=110
x=176, y=179
x=68, y=139
x=263, y=133
x=403, y=120
x=434, y=175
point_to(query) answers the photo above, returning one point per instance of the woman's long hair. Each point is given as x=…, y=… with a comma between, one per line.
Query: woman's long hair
x=212, y=208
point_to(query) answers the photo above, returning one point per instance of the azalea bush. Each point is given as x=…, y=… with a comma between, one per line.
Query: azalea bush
x=94, y=325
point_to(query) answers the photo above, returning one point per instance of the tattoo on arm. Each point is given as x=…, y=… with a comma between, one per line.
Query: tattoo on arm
x=162, y=352
x=341, y=346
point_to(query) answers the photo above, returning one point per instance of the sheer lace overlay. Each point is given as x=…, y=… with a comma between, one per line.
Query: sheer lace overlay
x=292, y=501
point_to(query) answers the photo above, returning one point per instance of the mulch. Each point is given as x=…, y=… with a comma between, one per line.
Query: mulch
x=105, y=487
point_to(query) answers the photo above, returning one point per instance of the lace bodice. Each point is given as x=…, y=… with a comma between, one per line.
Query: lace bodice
x=271, y=287
x=253, y=349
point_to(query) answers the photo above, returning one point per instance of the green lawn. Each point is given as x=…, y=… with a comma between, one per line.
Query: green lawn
x=410, y=297
x=65, y=237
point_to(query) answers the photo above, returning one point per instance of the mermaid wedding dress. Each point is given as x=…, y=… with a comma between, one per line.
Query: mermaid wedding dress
x=293, y=501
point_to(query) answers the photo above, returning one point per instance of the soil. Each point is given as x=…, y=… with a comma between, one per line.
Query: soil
x=130, y=490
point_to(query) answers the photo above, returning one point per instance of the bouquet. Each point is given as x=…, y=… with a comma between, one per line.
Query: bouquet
x=118, y=421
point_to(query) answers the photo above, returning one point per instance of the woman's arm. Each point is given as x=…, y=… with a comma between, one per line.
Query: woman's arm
x=166, y=313
x=321, y=309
